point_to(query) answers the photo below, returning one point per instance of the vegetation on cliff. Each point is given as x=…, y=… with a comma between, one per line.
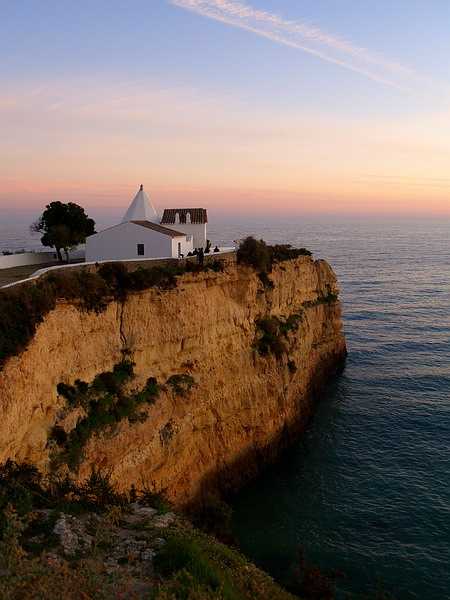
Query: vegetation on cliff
x=23, y=307
x=59, y=540
x=272, y=333
x=181, y=383
x=261, y=256
x=105, y=402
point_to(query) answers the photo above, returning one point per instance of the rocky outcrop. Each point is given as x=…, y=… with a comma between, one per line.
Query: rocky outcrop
x=244, y=406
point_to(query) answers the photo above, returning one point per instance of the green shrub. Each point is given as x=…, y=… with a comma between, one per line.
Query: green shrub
x=148, y=496
x=20, y=487
x=329, y=298
x=182, y=553
x=106, y=403
x=255, y=253
x=269, y=337
x=181, y=384
x=261, y=256
x=282, y=252
x=162, y=277
x=216, y=265
x=272, y=333
x=23, y=490
x=290, y=324
x=117, y=278
x=265, y=280
x=21, y=310
x=98, y=492
x=58, y=435
x=11, y=551
x=185, y=561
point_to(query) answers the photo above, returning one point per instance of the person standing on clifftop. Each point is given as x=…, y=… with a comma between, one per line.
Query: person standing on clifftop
x=200, y=257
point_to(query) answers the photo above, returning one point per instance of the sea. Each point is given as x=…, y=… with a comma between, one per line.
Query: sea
x=365, y=493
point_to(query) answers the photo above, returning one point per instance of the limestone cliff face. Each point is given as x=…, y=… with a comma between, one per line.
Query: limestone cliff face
x=243, y=408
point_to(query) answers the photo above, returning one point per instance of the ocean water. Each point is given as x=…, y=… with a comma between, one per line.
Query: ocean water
x=366, y=491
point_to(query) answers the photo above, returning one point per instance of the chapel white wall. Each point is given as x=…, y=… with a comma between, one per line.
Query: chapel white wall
x=120, y=243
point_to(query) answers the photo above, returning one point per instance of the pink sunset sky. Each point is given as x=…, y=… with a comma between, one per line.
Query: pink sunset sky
x=214, y=105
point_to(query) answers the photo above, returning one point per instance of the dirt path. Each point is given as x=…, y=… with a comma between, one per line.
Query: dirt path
x=18, y=273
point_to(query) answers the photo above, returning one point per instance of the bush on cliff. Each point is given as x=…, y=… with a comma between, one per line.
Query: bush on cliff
x=269, y=337
x=256, y=254
x=182, y=553
x=181, y=384
x=271, y=333
x=24, y=489
x=106, y=403
x=328, y=298
x=282, y=252
x=265, y=280
x=261, y=256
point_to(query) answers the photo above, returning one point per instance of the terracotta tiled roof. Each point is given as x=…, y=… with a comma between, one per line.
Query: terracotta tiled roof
x=159, y=228
x=198, y=215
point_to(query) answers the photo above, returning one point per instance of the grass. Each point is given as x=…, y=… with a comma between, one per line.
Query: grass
x=194, y=565
x=38, y=579
x=184, y=553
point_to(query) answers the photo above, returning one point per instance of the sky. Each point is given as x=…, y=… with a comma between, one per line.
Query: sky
x=282, y=107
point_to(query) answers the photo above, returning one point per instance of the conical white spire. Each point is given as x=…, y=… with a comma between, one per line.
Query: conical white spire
x=141, y=209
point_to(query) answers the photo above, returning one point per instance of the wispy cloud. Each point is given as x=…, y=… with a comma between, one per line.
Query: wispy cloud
x=302, y=36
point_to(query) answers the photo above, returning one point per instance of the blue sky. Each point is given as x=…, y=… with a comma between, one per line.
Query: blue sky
x=382, y=66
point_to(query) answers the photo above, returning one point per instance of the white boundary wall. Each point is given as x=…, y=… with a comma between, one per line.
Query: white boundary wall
x=23, y=259
x=40, y=272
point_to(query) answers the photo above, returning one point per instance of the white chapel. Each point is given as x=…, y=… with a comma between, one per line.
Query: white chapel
x=141, y=234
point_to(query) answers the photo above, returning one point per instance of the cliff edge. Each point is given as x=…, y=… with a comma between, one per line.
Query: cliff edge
x=232, y=365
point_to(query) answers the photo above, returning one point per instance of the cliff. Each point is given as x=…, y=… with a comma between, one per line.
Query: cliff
x=252, y=380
